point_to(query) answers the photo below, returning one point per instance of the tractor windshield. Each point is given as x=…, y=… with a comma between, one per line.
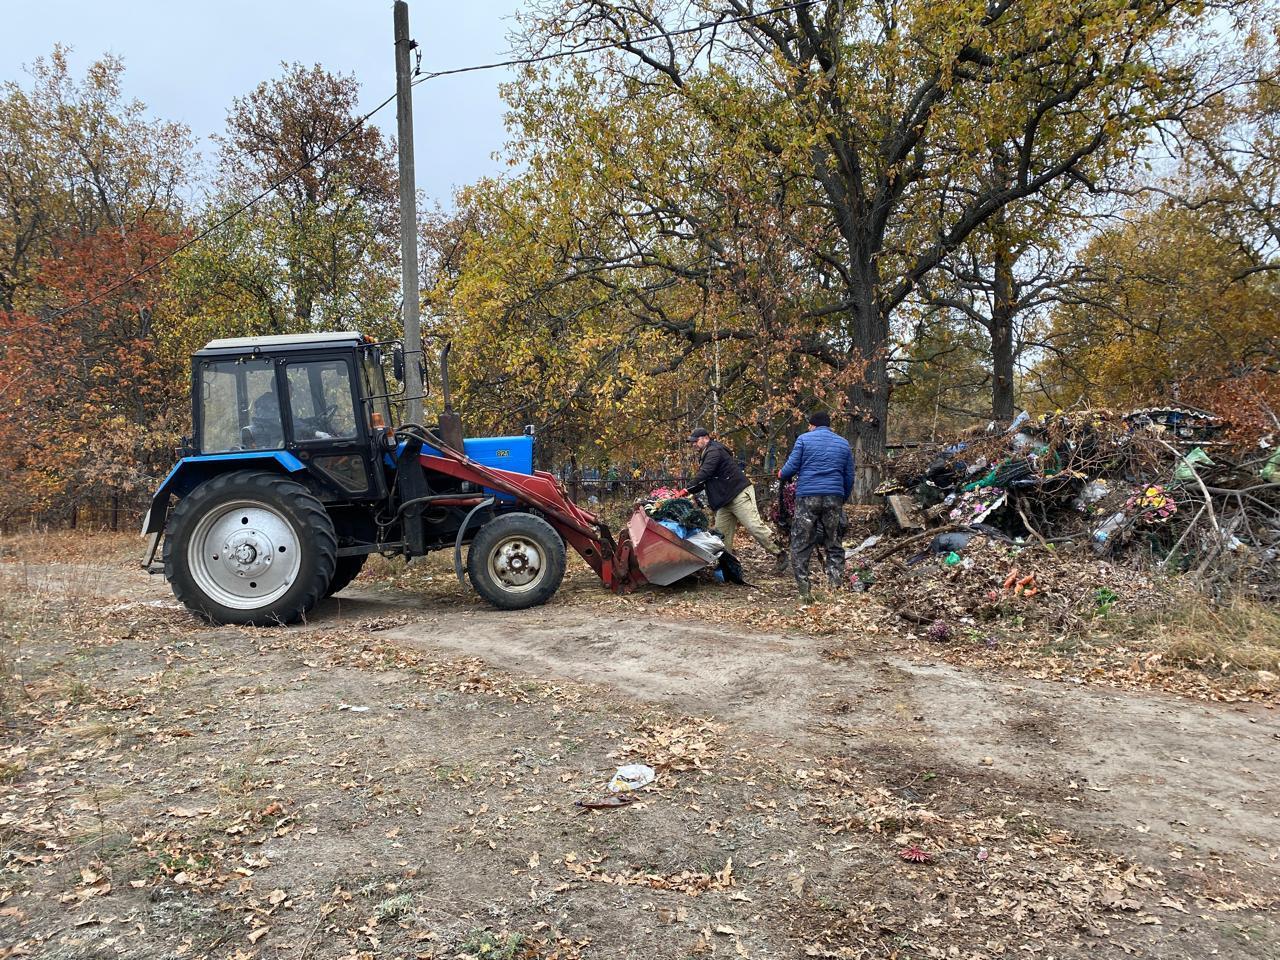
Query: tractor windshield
x=239, y=406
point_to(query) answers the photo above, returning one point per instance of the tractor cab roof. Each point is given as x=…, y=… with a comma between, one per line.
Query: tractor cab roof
x=278, y=344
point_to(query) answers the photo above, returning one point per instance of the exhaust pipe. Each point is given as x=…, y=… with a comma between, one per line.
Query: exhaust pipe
x=450, y=426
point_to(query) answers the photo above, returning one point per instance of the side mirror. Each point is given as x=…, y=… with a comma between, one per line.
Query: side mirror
x=398, y=367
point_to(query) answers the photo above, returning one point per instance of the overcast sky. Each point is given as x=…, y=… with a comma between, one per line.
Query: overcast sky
x=186, y=61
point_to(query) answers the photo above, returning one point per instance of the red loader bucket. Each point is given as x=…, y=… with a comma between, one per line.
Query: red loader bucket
x=662, y=556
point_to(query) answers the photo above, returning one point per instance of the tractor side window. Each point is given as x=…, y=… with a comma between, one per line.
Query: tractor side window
x=240, y=408
x=320, y=400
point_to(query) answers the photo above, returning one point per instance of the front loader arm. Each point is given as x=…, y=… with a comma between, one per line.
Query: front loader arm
x=584, y=531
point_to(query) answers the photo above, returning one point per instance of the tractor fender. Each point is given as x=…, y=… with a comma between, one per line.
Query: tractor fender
x=189, y=472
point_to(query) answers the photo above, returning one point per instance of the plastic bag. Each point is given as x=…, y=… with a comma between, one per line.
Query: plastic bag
x=1094, y=490
x=1186, y=469
x=709, y=542
x=632, y=777
x=1271, y=469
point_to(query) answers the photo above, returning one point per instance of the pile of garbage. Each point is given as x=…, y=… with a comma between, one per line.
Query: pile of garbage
x=1156, y=485
x=966, y=594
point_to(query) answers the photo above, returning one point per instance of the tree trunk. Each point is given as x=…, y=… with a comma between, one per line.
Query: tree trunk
x=1001, y=329
x=869, y=396
x=1003, y=309
x=868, y=437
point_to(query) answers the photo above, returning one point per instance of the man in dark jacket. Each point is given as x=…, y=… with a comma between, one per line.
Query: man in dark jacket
x=729, y=492
x=822, y=464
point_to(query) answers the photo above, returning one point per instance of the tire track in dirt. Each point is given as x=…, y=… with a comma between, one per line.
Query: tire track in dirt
x=1131, y=770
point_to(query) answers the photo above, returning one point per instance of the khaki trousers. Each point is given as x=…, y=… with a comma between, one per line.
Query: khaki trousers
x=742, y=510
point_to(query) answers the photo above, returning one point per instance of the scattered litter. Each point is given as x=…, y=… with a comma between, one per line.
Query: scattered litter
x=1167, y=487
x=1186, y=469
x=1107, y=528
x=906, y=512
x=608, y=803
x=633, y=776
x=866, y=544
x=347, y=706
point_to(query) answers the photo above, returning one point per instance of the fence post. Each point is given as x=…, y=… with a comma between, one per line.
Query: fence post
x=115, y=513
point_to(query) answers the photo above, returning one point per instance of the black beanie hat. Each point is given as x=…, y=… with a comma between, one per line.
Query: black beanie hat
x=820, y=418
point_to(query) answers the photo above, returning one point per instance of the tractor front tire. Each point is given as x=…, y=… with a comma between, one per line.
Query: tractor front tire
x=516, y=561
x=251, y=548
x=347, y=569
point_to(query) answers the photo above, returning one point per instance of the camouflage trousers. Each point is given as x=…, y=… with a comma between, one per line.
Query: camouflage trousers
x=818, y=522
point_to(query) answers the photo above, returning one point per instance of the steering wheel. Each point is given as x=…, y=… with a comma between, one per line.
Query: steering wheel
x=322, y=422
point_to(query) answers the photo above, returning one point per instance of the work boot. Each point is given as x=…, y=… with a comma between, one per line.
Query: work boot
x=806, y=592
x=780, y=562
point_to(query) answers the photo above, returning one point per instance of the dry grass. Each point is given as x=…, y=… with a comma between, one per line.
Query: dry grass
x=73, y=546
x=1238, y=635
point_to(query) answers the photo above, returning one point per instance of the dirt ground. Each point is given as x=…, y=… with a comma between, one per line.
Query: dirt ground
x=399, y=778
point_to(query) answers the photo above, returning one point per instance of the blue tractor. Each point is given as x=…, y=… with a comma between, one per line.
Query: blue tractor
x=294, y=474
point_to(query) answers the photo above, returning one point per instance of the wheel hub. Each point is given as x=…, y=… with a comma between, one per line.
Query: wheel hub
x=248, y=553
x=517, y=563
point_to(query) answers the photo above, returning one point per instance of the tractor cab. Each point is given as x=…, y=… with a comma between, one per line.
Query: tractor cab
x=320, y=397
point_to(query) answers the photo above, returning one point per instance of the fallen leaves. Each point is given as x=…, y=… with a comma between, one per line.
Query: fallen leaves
x=685, y=745
x=915, y=854
x=91, y=884
x=820, y=840
x=187, y=813
x=689, y=882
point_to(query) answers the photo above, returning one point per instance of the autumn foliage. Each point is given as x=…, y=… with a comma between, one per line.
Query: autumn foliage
x=103, y=296
x=90, y=397
x=916, y=215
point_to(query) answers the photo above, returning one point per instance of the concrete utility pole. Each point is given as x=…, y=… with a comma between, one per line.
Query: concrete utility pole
x=408, y=217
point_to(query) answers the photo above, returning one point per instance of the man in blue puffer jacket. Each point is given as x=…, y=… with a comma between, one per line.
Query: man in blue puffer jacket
x=822, y=463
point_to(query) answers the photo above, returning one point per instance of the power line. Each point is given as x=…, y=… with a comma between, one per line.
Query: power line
x=615, y=44
x=423, y=78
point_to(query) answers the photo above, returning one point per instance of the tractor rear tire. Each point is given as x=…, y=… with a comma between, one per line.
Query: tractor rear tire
x=347, y=569
x=516, y=561
x=250, y=548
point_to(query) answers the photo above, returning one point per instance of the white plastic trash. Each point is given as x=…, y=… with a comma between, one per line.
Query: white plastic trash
x=864, y=545
x=708, y=541
x=632, y=777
